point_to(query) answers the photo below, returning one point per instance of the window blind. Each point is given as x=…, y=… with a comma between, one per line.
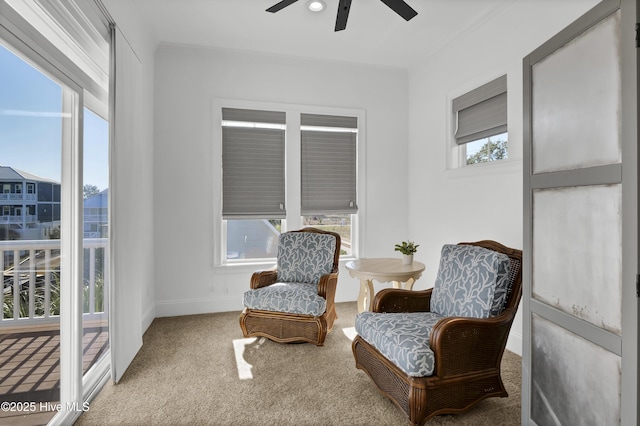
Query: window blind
x=319, y=120
x=328, y=157
x=481, y=112
x=253, y=165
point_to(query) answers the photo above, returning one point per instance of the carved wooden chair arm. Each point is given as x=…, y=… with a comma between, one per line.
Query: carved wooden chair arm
x=401, y=300
x=327, y=285
x=263, y=278
x=469, y=345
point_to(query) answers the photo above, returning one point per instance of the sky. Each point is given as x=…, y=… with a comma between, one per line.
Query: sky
x=31, y=123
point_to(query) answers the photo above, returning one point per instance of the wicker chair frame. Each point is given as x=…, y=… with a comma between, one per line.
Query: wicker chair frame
x=468, y=352
x=294, y=328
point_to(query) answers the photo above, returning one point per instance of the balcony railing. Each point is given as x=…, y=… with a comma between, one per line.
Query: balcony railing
x=29, y=218
x=12, y=196
x=30, y=273
x=100, y=218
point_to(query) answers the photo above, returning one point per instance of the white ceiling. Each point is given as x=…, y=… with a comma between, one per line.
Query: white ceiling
x=375, y=34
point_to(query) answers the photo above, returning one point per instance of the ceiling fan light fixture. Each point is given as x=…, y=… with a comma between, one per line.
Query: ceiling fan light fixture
x=316, y=5
x=398, y=6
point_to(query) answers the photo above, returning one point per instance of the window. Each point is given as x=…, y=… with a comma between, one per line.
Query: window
x=487, y=149
x=253, y=186
x=283, y=170
x=328, y=173
x=480, y=123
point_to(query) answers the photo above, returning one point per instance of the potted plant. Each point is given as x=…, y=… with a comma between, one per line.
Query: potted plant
x=407, y=248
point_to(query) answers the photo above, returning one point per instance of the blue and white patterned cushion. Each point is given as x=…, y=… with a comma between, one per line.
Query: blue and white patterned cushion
x=471, y=282
x=304, y=256
x=293, y=298
x=503, y=288
x=403, y=338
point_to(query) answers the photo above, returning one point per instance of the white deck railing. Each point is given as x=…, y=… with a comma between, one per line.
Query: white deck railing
x=29, y=273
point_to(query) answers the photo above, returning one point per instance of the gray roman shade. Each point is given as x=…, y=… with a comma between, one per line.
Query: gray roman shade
x=328, y=164
x=253, y=116
x=481, y=112
x=253, y=165
x=319, y=120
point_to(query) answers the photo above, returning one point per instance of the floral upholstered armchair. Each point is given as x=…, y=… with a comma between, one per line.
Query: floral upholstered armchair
x=439, y=351
x=295, y=301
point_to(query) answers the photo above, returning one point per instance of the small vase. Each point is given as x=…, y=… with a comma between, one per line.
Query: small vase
x=407, y=259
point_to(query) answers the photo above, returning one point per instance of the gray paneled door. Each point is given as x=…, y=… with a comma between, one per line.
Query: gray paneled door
x=581, y=241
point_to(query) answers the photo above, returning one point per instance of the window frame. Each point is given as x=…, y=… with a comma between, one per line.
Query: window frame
x=294, y=218
x=457, y=152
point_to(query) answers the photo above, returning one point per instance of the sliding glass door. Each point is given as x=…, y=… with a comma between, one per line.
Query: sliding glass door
x=54, y=224
x=38, y=113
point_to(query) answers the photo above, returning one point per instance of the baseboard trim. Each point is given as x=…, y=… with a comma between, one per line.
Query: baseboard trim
x=514, y=343
x=173, y=308
x=147, y=316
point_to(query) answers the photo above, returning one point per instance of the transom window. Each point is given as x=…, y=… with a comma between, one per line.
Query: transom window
x=480, y=124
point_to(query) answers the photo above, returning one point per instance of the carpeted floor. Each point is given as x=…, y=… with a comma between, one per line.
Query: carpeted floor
x=187, y=374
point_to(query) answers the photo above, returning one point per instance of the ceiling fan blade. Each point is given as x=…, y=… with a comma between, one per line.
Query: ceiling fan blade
x=343, y=14
x=281, y=5
x=401, y=8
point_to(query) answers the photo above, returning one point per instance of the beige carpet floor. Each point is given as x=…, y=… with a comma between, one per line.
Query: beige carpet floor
x=187, y=373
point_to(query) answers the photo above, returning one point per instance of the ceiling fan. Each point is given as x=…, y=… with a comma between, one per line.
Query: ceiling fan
x=398, y=6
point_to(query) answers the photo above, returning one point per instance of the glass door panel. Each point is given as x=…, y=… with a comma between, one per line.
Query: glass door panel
x=32, y=120
x=95, y=287
x=571, y=130
x=577, y=243
x=572, y=375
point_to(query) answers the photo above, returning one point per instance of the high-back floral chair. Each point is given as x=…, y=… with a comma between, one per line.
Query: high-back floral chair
x=295, y=301
x=438, y=351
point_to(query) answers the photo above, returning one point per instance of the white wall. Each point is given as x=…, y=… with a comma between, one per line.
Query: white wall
x=187, y=80
x=484, y=202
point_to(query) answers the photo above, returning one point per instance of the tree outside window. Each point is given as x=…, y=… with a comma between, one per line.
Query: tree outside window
x=488, y=149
